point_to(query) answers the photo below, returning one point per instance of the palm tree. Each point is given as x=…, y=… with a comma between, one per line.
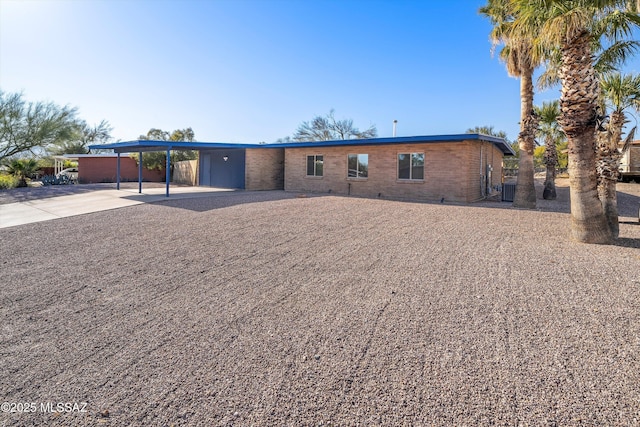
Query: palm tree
x=607, y=60
x=572, y=25
x=521, y=58
x=619, y=93
x=488, y=130
x=550, y=132
x=22, y=169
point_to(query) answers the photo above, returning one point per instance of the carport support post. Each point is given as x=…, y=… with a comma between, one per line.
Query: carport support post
x=118, y=173
x=168, y=169
x=139, y=171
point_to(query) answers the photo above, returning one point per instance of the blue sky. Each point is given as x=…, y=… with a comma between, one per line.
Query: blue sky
x=253, y=70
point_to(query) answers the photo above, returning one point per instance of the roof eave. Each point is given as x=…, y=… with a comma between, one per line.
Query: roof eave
x=149, y=145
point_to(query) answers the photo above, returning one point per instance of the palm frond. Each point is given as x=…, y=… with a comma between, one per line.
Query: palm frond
x=616, y=55
x=628, y=140
x=621, y=91
x=551, y=75
x=617, y=24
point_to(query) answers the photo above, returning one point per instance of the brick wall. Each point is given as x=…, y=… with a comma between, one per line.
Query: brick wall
x=483, y=154
x=264, y=169
x=453, y=171
x=103, y=169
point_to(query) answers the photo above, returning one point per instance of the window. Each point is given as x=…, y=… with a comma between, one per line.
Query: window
x=358, y=165
x=314, y=165
x=411, y=166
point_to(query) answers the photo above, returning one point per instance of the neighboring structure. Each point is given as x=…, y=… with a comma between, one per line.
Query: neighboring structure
x=630, y=163
x=460, y=168
x=96, y=168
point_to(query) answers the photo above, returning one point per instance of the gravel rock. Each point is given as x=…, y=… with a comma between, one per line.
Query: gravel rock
x=209, y=311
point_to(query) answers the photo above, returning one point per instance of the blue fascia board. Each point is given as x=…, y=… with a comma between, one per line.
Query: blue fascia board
x=498, y=142
x=148, y=145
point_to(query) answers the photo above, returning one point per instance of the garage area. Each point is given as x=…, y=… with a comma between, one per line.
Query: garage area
x=223, y=168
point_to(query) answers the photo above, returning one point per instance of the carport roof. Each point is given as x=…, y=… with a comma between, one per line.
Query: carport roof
x=146, y=145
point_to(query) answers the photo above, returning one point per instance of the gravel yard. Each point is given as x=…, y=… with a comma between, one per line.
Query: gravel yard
x=270, y=309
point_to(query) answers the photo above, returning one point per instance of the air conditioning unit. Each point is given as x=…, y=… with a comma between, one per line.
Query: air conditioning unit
x=508, y=192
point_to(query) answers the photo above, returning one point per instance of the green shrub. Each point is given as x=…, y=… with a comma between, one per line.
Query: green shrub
x=7, y=182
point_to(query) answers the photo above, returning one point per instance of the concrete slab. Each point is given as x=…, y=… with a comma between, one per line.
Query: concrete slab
x=20, y=213
x=45, y=209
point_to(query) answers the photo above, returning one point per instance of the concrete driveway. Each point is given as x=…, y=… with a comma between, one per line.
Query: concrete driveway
x=41, y=205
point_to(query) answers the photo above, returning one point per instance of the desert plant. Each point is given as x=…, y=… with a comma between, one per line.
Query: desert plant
x=7, y=182
x=22, y=169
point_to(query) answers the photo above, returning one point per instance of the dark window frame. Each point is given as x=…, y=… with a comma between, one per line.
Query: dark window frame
x=415, y=171
x=358, y=173
x=317, y=159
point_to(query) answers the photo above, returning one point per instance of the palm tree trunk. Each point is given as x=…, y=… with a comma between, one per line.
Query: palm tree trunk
x=609, y=199
x=608, y=164
x=578, y=102
x=551, y=161
x=525, y=195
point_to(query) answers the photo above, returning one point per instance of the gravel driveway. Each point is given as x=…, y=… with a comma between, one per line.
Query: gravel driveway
x=271, y=309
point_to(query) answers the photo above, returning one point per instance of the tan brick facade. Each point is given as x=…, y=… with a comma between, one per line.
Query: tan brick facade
x=264, y=169
x=454, y=171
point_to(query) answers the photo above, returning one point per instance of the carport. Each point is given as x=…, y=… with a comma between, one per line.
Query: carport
x=58, y=164
x=222, y=164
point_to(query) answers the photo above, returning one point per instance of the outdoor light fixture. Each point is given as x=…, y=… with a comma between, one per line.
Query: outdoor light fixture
x=225, y=158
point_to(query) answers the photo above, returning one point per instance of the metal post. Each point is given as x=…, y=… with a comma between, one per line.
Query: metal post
x=118, y=173
x=168, y=169
x=139, y=171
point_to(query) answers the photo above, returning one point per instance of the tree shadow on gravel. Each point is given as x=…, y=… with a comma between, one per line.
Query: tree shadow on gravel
x=626, y=242
x=628, y=201
x=628, y=204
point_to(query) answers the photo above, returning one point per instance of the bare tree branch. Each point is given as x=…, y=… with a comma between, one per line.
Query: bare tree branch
x=327, y=128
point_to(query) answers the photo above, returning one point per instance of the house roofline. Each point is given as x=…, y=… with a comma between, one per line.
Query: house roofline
x=149, y=145
x=499, y=142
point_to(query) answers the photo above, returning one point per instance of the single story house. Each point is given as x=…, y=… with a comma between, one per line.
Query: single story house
x=459, y=168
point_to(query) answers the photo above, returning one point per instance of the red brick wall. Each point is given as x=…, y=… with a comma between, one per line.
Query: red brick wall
x=47, y=170
x=103, y=169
